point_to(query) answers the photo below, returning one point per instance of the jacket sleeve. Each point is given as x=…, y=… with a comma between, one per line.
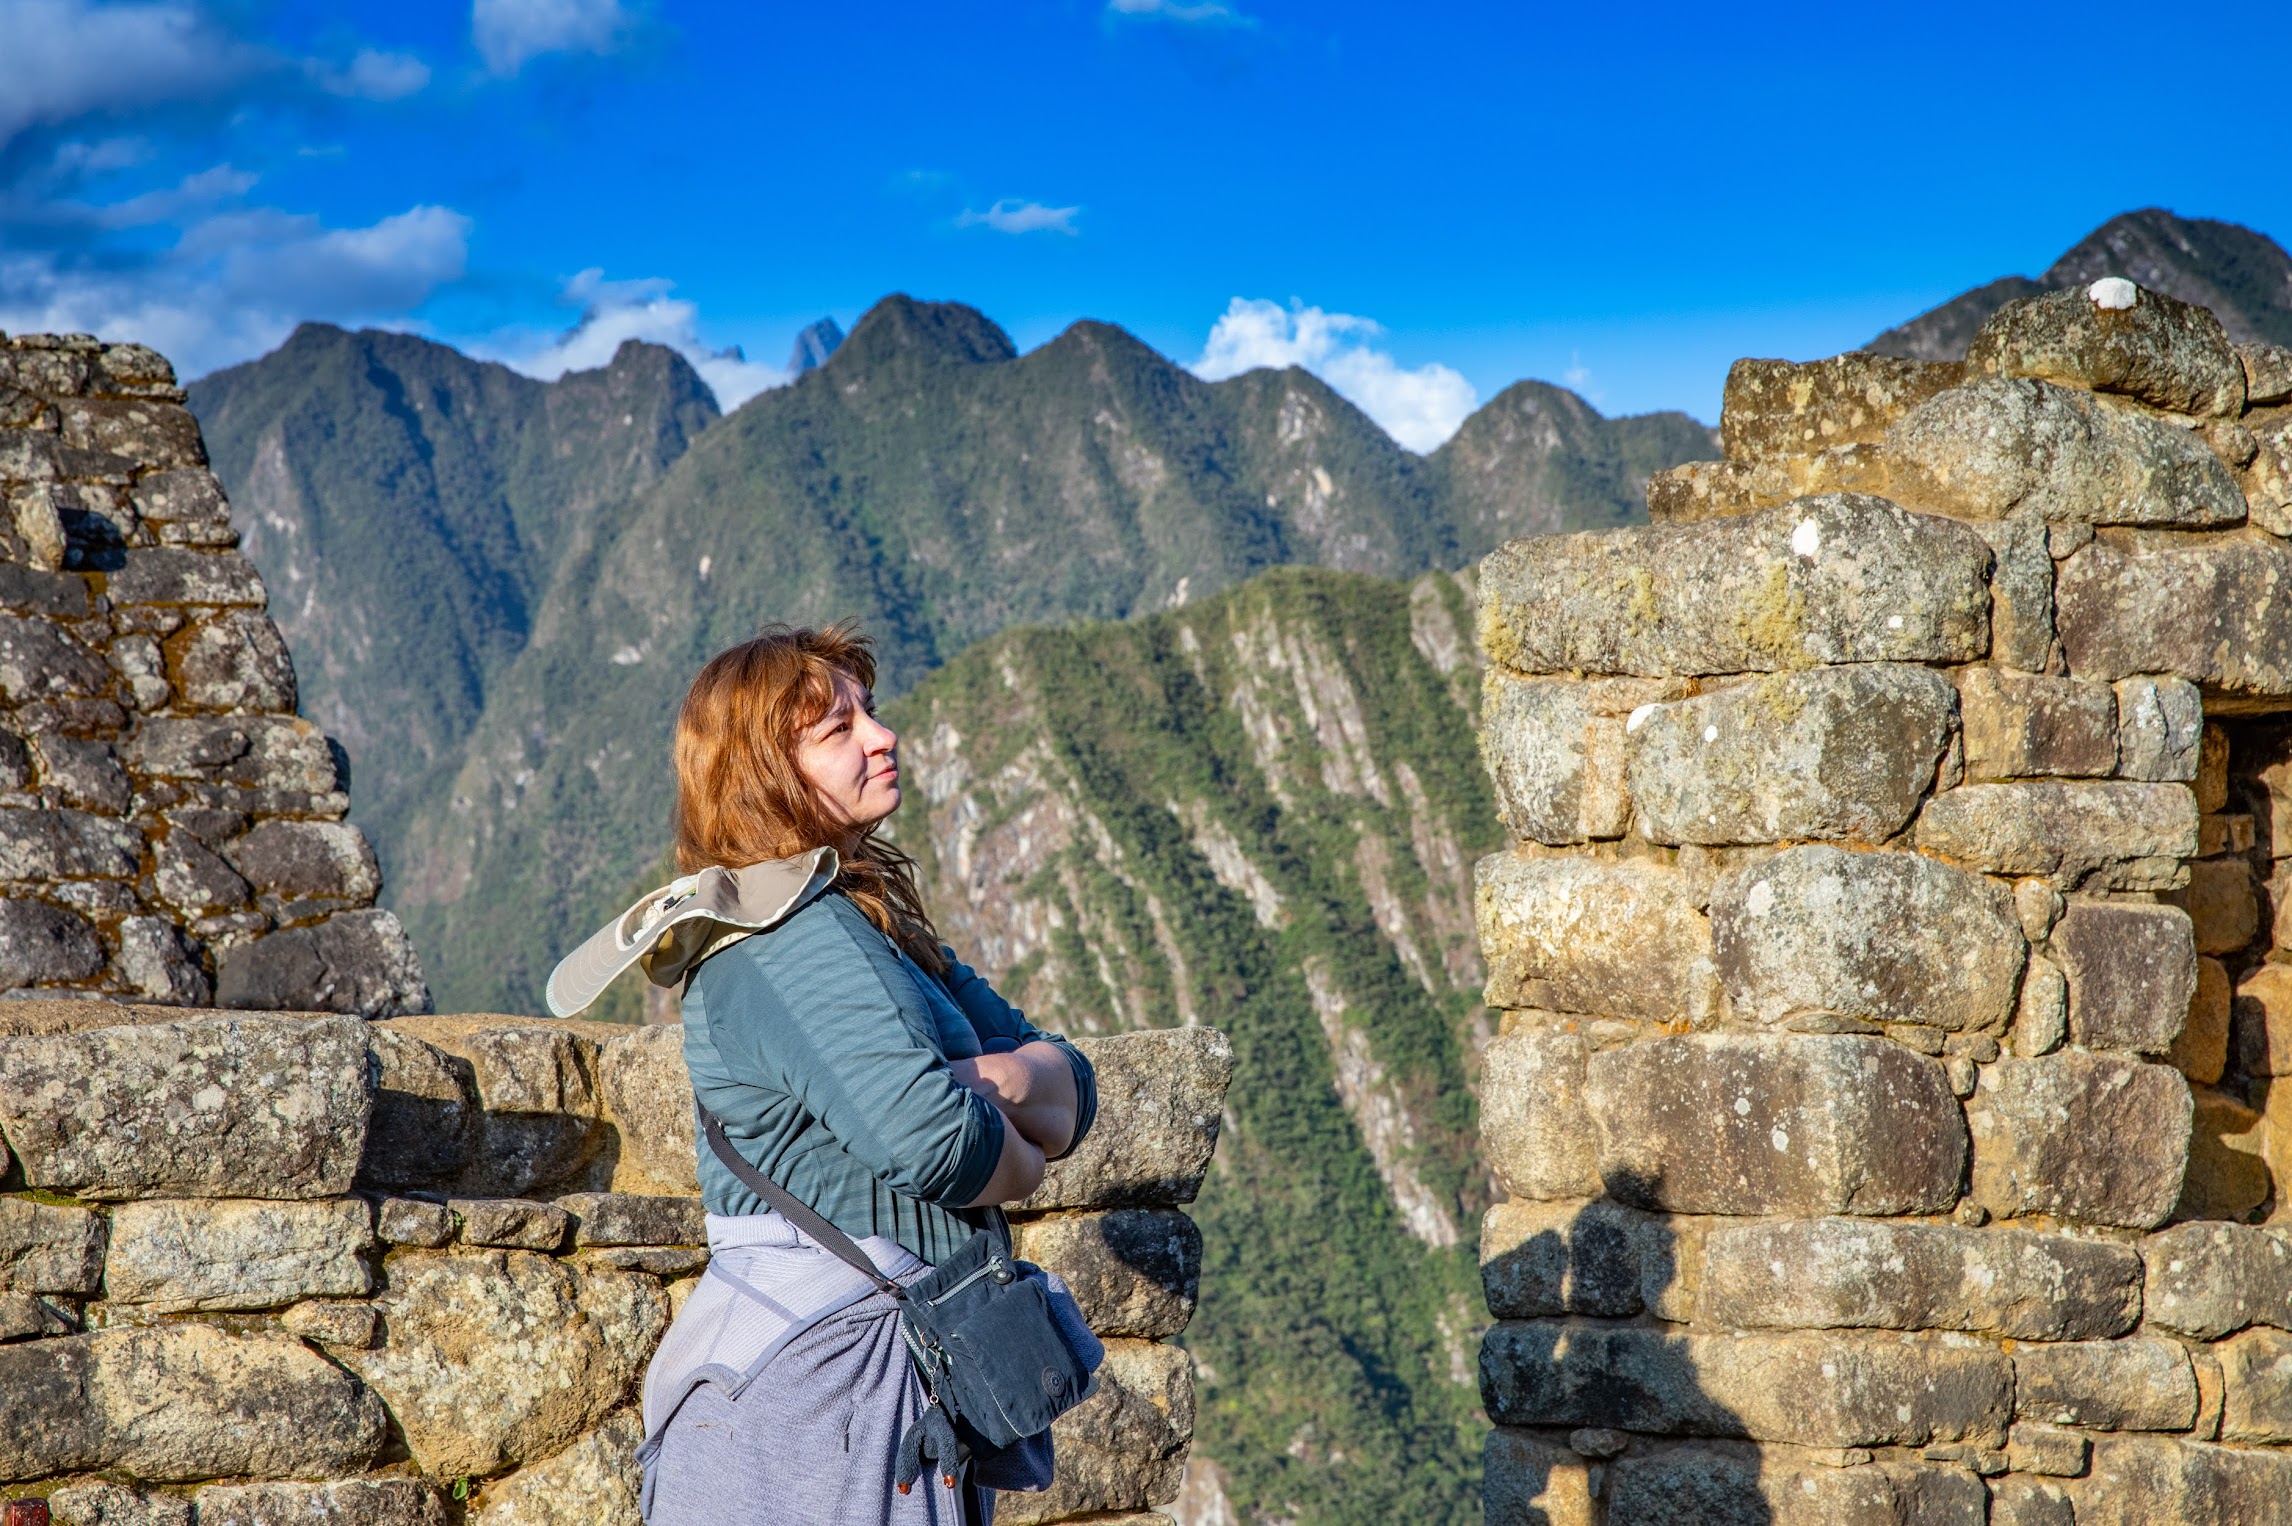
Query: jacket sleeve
x=825, y=1025
x=994, y=1018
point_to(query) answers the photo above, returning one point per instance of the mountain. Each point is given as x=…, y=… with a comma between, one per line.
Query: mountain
x=2243, y=276
x=815, y=342
x=926, y=479
x=408, y=505
x=1261, y=812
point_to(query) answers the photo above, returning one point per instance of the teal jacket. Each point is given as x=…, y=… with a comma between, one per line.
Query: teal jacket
x=824, y=1049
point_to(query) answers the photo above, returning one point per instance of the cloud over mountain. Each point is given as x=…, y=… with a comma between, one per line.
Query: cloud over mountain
x=1420, y=408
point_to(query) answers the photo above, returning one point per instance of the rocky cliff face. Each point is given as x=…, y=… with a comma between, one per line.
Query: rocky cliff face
x=1257, y=812
x=170, y=829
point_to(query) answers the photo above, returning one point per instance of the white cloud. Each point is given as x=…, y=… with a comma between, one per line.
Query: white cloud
x=616, y=311
x=1184, y=12
x=1419, y=408
x=508, y=33
x=237, y=283
x=68, y=58
x=1011, y=215
x=373, y=75
x=1578, y=378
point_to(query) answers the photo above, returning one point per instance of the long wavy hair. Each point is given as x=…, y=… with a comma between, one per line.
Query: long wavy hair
x=741, y=799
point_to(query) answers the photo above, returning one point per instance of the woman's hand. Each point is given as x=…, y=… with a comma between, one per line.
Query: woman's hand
x=1017, y=1174
x=1033, y=1087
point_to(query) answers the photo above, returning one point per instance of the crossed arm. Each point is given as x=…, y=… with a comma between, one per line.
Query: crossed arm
x=1033, y=1088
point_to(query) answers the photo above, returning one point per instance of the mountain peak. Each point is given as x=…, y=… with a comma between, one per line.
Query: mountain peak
x=815, y=342
x=900, y=330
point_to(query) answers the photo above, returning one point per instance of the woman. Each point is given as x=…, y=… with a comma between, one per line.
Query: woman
x=858, y=1064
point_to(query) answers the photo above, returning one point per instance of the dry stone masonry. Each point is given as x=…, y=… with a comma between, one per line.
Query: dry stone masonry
x=277, y=1268
x=1895, y=951
x=170, y=830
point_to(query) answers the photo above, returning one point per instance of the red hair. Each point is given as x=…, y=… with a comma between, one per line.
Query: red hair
x=740, y=797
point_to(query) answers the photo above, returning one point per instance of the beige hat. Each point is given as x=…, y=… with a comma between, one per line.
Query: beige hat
x=674, y=928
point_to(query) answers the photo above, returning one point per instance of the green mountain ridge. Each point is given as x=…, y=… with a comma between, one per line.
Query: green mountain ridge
x=1261, y=812
x=2243, y=276
x=569, y=570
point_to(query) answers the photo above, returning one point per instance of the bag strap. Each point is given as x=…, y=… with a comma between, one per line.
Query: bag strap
x=785, y=1204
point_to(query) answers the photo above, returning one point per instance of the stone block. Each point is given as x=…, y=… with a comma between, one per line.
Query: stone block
x=2216, y=611
x=2256, y=1387
x=1999, y=448
x=2044, y=1450
x=1540, y=1259
x=2098, y=834
x=1554, y=749
x=141, y=429
x=81, y=771
x=2223, y=904
x=1574, y=935
x=181, y=495
x=29, y=1316
x=2228, y=1174
x=648, y=1096
x=173, y=1403
x=173, y=1255
x=280, y=752
x=1843, y=752
x=2267, y=477
x=2126, y=1385
x=44, y=845
x=236, y=661
x=44, y=944
x=538, y=1111
x=1781, y=1486
x=354, y=961
x=182, y=575
x=1528, y=1481
x=1781, y=408
x=2267, y=373
x=39, y=660
x=2131, y=970
x=314, y=860
x=628, y=1218
x=49, y=1247
x=470, y=1402
x=191, y=878
x=2209, y=1280
x=2260, y=1022
x=2094, y=1138
x=1796, y=1124
x=355, y=1325
x=1534, y=1129
x=2201, y=1051
x=1838, y=578
x=97, y=1503
x=344, y=1502
x=1133, y=1271
x=1168, y=1086
x=1838, y=1390
x=2152, y=1481
x=237, y=1106
x=2021, y=594
x=158, y=963
x=1885, y=937
x=411, y=1221
x=594, y=1480
x=1125, y=1446
x=2114, y=336
x=29, y=591
x=657, y=1260
x=1847, y=1273
x=515, y=1223
x=2160, y=728
x=424, y=1128
x=2019, y=725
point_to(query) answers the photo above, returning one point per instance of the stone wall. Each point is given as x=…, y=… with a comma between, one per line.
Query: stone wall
x=170, y=831
x=269, y=1269
x=1890, y=954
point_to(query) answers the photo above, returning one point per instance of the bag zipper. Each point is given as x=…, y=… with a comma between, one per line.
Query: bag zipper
x=992, y=1267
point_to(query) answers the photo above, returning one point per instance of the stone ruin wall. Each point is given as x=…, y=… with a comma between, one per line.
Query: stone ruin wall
x=1894, y=954
x=271, y=1269
x=170, y=830
x=356, y=1265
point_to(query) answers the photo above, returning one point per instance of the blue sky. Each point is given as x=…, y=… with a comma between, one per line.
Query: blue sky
x=1424, y=202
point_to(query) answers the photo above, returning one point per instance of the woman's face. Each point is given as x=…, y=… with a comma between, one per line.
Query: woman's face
x=849, y=758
